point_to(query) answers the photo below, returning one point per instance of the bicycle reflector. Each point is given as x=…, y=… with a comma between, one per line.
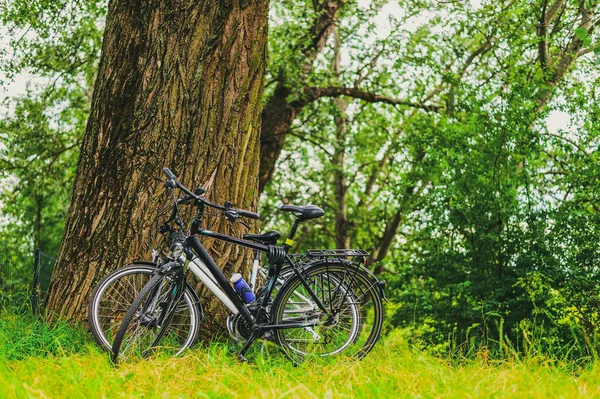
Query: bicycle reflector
x=361, y=259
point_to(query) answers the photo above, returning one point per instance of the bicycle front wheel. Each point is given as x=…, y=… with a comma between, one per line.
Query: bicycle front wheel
x=349, y=322
x=113, y=296
x=153, y=317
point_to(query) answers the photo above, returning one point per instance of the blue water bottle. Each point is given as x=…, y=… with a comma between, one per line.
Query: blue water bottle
x=242, y=288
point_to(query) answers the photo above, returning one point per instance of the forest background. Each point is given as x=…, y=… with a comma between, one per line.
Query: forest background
x=455, y=141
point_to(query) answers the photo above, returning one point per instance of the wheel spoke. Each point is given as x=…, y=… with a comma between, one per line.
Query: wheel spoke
x=353, y=322
x=112, y=301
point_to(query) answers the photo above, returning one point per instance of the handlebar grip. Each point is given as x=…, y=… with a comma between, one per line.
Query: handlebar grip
x=248, y=214
x=169, y=174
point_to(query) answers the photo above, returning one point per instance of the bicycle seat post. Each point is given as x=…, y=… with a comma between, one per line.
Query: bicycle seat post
x=302, y=213
x=290, y=240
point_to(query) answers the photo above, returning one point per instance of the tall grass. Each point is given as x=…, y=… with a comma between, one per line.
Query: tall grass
x=26, y=336
x=530, y=339
x=60, y=362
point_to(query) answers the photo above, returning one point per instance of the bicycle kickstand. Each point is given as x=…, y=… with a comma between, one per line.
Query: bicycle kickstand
x=249, y=341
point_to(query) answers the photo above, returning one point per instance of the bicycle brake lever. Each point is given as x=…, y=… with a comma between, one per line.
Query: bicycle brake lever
x=243, y=223
x=230, y=215
x=185, y=200
x=164, y=229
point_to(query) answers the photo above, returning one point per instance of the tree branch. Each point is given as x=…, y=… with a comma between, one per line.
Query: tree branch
x=484, y=48
x=542, y=34
x=553, y=9
x=573, y=143
x=312, y=141
x=321, y=28
x=314, y=93
x=568, y=56
x=548, y=13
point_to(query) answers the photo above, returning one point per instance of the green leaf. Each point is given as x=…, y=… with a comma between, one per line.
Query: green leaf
x=581, y=33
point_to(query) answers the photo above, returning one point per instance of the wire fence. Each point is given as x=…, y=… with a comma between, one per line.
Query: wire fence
x=24, y=278
x=43, y=267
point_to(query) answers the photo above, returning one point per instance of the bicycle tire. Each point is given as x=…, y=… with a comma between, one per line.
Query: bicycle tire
x=355, y=288
x=104, y=316
x=118, y=352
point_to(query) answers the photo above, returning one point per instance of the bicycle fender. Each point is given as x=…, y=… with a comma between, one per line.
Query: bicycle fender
x=380, y=284
x=197, y=301
x=143, y=262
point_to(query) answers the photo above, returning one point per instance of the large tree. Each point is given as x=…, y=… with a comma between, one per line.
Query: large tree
x=387, y=162
x=179, y=85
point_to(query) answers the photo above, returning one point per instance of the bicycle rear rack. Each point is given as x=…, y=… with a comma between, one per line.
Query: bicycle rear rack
x=335, y=253
x=356, y=255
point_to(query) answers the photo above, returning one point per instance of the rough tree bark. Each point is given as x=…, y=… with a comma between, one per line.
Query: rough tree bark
x=179, y=85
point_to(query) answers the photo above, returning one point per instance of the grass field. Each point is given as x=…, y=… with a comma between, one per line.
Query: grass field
x=37, y=361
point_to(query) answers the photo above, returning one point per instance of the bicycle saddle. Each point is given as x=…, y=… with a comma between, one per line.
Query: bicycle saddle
x=270, y=237
x=308, y=211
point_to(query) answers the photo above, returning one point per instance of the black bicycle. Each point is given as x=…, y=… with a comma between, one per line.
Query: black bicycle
x=320, y=303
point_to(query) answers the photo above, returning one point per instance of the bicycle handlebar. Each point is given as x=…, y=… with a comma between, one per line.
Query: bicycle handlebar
x=248, y=214
x=241, y=212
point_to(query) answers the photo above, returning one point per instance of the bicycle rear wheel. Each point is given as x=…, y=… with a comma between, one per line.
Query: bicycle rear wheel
x=350, y=323
x=154, y=318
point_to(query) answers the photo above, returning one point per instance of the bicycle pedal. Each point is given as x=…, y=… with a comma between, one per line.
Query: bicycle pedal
x=242, y=358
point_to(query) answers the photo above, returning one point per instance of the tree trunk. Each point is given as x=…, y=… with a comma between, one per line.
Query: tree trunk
x=280, y=111
x=342, y=225
x=568, y=55
x=179, y=85
x=389, y=235
x=277, y=118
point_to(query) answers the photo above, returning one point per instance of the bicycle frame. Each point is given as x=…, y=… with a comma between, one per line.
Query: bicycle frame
x=204, y=267
x=201, y=271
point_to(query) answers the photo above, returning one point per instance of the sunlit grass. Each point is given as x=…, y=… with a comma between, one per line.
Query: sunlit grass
x=391, y=370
